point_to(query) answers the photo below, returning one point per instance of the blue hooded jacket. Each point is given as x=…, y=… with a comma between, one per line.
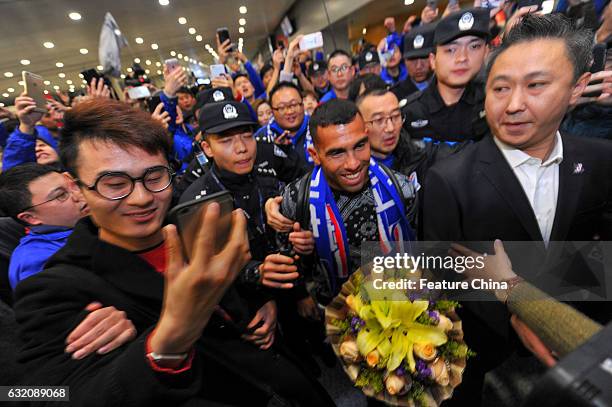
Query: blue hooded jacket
x=33, y=251
x=21, y=148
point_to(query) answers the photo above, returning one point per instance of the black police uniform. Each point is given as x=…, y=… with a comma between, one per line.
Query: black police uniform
x=426, y=114
x=418, y=43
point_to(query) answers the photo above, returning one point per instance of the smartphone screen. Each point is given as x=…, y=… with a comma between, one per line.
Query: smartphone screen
x=172, y=64
x=139, y=92
x=152, y=103
x=223, y=34
x=34, y=88
x=217, y=70
x=188, y=218
x=311, y=41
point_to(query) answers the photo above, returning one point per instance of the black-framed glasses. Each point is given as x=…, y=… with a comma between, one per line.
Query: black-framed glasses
x=114, y=185
x=62, y=195
x=291, y=106
x=396, y=120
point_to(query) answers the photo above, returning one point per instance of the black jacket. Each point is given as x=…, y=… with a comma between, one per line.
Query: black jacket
x=426, y=114
x=51, y=304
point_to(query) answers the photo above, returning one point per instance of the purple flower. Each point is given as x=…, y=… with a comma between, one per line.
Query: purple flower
x=356, y=324
x=400, y=371
x=423, y=372
x=435, y=317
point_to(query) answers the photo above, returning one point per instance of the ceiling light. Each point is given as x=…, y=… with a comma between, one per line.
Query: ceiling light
x=74, y=16
x=129, y=70
x=25, y=62
x=242, y=21
x=164, y=2
x=11, y=90
x=364, y=31
x=59, y=64
x=242, y=9
x=47, y=83
x=100, y=67
x=147, y=71
x=48, y=44
x=173, y=53
x=84, y=51
x=1, y=104
x=5, y=95
x=158, y=63
x=137, y=60
x=81, y=76
x=138, y=40
x=61, y=75
x=154, y=46
x=182, y=20
x=122, y=76
x=241, y=30
x=46, y=92
x=117, y=31
x=8, y=74
x=408, y=2
x=159, y=72
x=69, y=82
x=83, y=86
x=199, y=38
x=186, y=58
x=192, y=30
x=207, y=46
x=21, y=83
x=148, y=62
x=56, y=87
x=180, y=56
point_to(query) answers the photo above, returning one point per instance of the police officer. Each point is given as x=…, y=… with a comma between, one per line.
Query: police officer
x=452, y=106
x=317, y=74
x=418, y=44
x=369, y=62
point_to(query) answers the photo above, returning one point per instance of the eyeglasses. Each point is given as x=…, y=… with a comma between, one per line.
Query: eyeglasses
x=62, y=195
x=396, y=119
x=336, y=69
x=291, y=106
x=118, y=185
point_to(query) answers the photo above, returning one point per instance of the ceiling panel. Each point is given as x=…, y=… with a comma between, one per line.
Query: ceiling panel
x=27, y=24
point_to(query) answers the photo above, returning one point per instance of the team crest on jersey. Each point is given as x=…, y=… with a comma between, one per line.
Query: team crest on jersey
x=466, y=21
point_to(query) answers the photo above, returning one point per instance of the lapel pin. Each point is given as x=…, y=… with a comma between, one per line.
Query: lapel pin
x=578, y=168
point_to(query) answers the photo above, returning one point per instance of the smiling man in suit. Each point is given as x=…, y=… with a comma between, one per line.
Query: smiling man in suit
x=527, y=182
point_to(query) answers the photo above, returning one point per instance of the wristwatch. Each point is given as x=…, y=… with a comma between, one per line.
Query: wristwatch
x=166, y=357
x=252, y=274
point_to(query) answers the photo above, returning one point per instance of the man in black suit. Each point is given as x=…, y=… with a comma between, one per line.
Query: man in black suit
x=527, y=182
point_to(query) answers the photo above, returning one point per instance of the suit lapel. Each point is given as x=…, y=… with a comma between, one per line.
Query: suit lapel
x=571, y=179
x=497, y=170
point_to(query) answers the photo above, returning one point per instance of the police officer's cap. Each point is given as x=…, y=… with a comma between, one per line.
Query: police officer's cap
x=213, y=95
x=419, y=42
x=317, y=67
x=218, y=117
x=368, y=56
x=473, y=21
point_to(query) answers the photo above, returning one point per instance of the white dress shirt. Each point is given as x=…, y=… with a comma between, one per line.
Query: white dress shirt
x=539, y=179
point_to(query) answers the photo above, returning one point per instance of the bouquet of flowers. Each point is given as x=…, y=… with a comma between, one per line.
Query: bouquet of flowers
x=402, y=349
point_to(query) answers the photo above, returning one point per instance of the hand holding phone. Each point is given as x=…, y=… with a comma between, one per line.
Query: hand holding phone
x=217, y=70
x=223, y=36
x=171, y=64
x=34, y=88
x=311, y=41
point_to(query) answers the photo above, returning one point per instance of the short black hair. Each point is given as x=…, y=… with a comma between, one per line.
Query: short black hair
x=111, y=121
x=339, y=52
x=371, y=92
x=264, y=70
x=370, y=81
x=578, y=42
x=332, y=113
x=240, y=75
x=15, y=194
x=184, y=89
x=283, y=85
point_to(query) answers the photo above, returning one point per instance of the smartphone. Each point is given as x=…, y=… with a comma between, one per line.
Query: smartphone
x=223, y=34
x=172, y=64
x=599, y=64
x=89, y=74
x=187, y=218
x=34, y=88
x=217, y=70
x=311, y=41
x=139, y=92
x=152, y=103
